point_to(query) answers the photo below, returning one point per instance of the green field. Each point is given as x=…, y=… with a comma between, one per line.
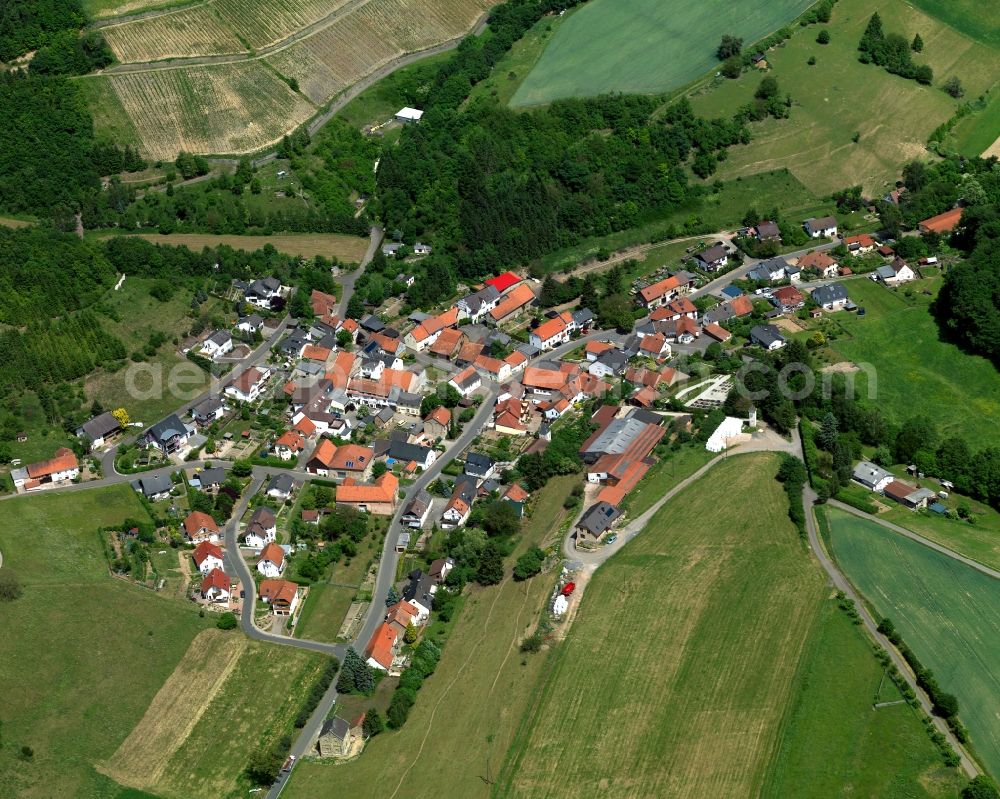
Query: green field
x=976, y=133
x=467, y=713
x=893, y=116
x=948, y=613
x=917, y=373
x=644, y=46
x=82, y=654
x=677, y=673
x=835, y=744
x=664, y=476
x=976, y=20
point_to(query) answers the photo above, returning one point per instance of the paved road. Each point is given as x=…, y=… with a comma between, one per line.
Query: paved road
x=767, y=441
x=973, y=564
x=350, y=278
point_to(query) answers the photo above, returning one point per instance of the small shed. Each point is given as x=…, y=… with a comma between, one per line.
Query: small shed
x=409, y=116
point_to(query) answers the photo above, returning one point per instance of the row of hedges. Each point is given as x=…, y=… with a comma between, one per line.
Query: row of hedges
x=422, y=665
x=317, y=691
x=943, y=703
x=792, y=476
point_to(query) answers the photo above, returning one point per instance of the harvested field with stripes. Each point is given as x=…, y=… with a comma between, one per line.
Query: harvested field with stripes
x=224, y=108
x=679, y=669
x=357, y=44
x=183, y=33
x=243, y=102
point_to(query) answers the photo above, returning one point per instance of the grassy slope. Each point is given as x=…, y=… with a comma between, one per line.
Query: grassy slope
x=975, y=19
x=894, y=119
x=946, y=612
x=665, y=475
x=644, y=46
x=675, y=677
x=82, y=654
x=916, y=372
x=467, y=712
x=834, y=744
x=140, y=313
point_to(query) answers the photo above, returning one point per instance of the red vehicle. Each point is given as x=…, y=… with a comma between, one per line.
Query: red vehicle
x=568, y=589
x=289, y=763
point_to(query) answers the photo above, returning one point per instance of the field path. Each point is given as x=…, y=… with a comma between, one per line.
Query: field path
x=972, y=564
x=993, y=149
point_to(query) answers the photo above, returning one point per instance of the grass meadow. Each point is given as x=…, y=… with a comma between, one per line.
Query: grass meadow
x=948, y=613
x=677, y=674
x=467, y=713
x=835, y=744
x=893, y=117
x=644, y=46
x=976, y=20
x=917, y=372
x=82, y=654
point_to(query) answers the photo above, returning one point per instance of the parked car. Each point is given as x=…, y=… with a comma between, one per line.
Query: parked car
x=612, y=538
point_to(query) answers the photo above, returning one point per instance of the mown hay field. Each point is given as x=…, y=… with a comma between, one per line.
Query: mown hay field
x=228, y=698
x=644, y=46
x=82, y=653
x=678, y=671
x=346, y=249
x=947, y=613
x=224, y=108
x=468, y=711
x=195, y=31
x=893, y=117
x=358, y=43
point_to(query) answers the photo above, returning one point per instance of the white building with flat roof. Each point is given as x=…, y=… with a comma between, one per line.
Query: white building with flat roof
x=409, y=115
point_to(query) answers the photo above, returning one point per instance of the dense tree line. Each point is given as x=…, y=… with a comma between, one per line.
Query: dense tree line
x=26, y=25
x=45, y=274
x=892, y=52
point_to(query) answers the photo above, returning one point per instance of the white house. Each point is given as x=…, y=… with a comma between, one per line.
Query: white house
x=832, y=297
x=207, y=556
x=767, y=336
x=552, y=333
x=261, y=529
x=271, y=562
x=871, y=476
x=261, y=292
x=249, y=385
x=253, y=323
x=821, y=227
x=719, y=440
x=218, y=344
x=216, y=586
x=467, y=381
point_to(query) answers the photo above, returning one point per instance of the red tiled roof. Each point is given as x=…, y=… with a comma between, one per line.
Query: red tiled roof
x=598, y=347
x=897, y=489
x=278, y=592
x=447, y=342
x=343, y=366
x=248, y=380
x=313, y=352
x=216, y=579
x=515, y=493
x=717, y=332
x=196, y=520
x=942, y=223
x=305, y=426
x=534, y=377
x=380, y=647
x=862, y=240
x=503, y=282
x=205, y=550
x=550, y=329
x=272, y=553
x=741, y=306
x=513, y=302
x=816, y=260
x=441, y=415
x=657, y=290
x=291, y=440
x=64, y=460
x=788, y=295
x=322, y=303
x=383, y=490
